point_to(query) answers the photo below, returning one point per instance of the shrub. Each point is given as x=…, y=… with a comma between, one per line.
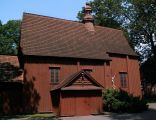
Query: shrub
x=121, y=101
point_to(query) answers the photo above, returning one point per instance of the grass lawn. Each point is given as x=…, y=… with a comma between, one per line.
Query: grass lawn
x=30, y=116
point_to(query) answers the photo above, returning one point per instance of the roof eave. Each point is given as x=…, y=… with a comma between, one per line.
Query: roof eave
x=102, y=59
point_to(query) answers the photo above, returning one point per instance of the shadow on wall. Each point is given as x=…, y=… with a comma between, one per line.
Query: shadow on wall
x=55, y=97
x=10, y=98
x=16, y=96
x=31, y=97
x=10, y=89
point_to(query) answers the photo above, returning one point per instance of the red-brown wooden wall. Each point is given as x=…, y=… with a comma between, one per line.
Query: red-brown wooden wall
x=37, y=74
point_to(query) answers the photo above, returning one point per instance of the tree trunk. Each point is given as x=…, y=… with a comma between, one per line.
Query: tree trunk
x=153, y=48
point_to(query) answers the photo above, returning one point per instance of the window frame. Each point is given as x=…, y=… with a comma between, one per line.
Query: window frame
x=55, y=76
x=123, y=79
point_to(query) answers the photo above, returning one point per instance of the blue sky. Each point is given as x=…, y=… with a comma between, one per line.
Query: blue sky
x=66, y=9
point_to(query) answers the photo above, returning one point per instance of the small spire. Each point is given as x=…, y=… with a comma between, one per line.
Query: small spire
x=88, y=18
x=87, y=13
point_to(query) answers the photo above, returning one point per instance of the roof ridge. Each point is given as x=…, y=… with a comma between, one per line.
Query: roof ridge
x=52, y=17
x=103, y=27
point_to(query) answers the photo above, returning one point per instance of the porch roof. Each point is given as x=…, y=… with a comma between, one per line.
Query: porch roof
x=63, y=85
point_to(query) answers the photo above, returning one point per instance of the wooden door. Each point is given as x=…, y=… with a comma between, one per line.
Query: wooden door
x=80, y=103
x=67, y=104
x=83, y=105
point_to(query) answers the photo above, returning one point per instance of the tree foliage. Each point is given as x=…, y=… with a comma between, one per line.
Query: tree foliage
x=136, y=17
x=102, y=13
x=148, y=71
x=9, y=37
x=143, y=27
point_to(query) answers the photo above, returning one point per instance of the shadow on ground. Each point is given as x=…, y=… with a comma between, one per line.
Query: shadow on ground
x=20, y=117
x=50, y=118
x=147, y=115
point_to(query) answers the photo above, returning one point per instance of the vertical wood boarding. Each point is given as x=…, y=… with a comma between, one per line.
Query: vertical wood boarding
x=80, y=103
x=134, y=77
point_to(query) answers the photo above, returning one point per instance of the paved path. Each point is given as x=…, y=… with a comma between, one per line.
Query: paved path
x=147, y=115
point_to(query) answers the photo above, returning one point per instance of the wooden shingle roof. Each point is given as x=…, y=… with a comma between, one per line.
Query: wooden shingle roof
x=47, y=36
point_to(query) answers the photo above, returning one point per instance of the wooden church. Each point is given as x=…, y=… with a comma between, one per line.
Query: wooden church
x=68, y=64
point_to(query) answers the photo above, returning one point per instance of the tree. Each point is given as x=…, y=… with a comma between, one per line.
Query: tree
x=9, y=37
x=0, y=23
x=143, y=34
x=143, y=27
x=103, y=15
x=137, y=17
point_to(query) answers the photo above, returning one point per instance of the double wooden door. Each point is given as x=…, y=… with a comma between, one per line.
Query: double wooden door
x=81, y=103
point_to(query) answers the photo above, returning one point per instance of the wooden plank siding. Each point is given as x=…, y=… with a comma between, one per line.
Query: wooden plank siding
x=134, y=77
x=118, y=64
x=130, y=65
x=108, y=75
x=97, y=70
x=37, y=79
x=37, y=73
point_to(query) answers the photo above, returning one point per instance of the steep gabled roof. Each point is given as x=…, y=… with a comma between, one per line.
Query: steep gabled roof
x=47, y=36
x=72, y=77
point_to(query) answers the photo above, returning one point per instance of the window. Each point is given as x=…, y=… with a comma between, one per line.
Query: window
x=88, y=70
x=55, y=74
x=123, y=79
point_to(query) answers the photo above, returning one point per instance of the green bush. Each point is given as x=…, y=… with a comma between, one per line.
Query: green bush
x=121, y=101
